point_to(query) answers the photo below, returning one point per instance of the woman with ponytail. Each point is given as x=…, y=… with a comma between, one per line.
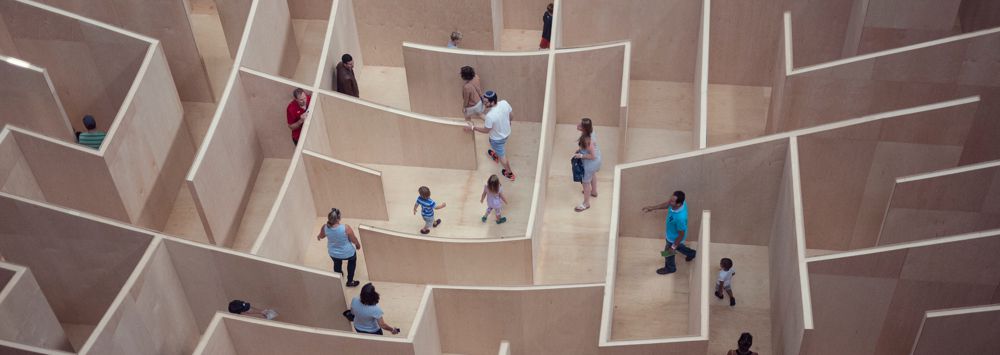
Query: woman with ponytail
x=341, y=244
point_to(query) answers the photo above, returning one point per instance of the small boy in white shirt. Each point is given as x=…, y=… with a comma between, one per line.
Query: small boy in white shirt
x=726, y=280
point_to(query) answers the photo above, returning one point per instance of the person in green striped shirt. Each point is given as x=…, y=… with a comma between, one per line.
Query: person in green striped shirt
x=92, y=137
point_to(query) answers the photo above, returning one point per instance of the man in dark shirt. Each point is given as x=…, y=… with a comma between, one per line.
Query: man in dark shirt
x=345, y=80
x=296, y=114
x=546, y=27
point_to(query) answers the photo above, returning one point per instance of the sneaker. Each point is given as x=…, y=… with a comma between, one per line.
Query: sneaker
x=501, y=220
x=507, y=174
x=436, y=223
x=719, y=295
x=354, y=283
x=732, y=302
x=689, y=258
x=425, y=231
x=493, y=155
x=484, y=219
x=663, y=271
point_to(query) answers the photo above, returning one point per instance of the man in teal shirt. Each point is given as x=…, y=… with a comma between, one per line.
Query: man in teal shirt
x=676, y=229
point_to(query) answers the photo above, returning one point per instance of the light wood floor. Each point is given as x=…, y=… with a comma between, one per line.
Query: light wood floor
x=384, y=85
x=519, y=40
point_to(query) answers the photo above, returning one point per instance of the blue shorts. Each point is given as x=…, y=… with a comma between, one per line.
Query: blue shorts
x=428, y=221
x=498, y=147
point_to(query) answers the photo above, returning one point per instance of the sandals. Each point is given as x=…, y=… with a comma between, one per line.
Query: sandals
x=501, y=220
x=484, y=219
x=436, y=223
x=425, y=231
x=508, y=174
x=354, y=283
x=493, y=155
x=581, y=208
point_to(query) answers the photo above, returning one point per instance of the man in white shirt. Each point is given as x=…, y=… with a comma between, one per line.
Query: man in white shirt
x=497, y=125
x=726, y=280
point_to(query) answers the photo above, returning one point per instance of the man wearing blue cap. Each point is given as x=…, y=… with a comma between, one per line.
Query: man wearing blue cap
x=497, y=125
x=92, y=137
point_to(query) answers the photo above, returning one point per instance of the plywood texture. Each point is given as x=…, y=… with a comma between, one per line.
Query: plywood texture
x=79, y=276
x=977, y=15
x=360, y=133
x=16, y=177
x=741, y=32
x=92, y=68
x=30, y=102
x=233, y=15
x=165, y=20
x=154, y=317
x=589, y=84
x=357, y=191
x=664, y=34
x=879, y=303
x=253, y=338
x=787, y=307
x=49, y=163
x=525, y=318
x=343, y=40
x=266, y=102
x=710, y=181
x=310, y=9
x=843, y=207
x=27, y=317
x=941, y=206
x=288, y=235
x=961, y=332
x=820, y=29
x=151, y=147
x=212, y=278
x=216, y=340
x=419, y=22
x=435, y=87
x=271, y=47
x=225, y=175
x=414, y=259
x=524, y=14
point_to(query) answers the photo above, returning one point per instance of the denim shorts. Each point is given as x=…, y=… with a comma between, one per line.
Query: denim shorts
x=498, y=146
x=428, y=221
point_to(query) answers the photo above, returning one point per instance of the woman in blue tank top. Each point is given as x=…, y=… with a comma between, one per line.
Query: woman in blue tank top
x=341, y=244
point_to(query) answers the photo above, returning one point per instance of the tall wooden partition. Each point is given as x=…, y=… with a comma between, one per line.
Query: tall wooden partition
x=80, y=276
x=881, y=293
x=958, y=330
x=16, y=177
x=401, y=257
x=591, y=83
x=92, y=65
x=342, y=38
x=361, y=132
x=291, y=226
x=338, y=183
x=709, y=178
x=168, y=22
x=905, y=77
x=435, y=86
x=271, y=47
x=666, y=54
x=848, y=173
x=948, y=202
x=28, y=318
x=30, y=101
x=420, y=22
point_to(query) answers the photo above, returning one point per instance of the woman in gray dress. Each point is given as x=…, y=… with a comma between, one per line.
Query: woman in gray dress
x=591, y=155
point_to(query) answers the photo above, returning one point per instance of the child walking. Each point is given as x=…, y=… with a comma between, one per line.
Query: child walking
x=493, y=194
x=427, y=207
x=726, y=280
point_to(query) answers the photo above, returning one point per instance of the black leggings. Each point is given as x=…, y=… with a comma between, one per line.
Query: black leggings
x=352, y=263
x=378, y=332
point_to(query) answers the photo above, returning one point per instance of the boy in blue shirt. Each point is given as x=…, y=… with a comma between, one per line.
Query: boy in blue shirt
x=427, y=207
x=676, y=230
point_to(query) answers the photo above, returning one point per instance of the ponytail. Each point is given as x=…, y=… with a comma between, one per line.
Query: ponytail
x=333, y=217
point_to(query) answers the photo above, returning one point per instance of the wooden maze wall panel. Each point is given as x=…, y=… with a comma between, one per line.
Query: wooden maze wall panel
x=959, y=331
x=524, y=14
x=356, y=190
x=664, y=34
x=289, y=234
x=29, y=101
x=848, y=173
x=92, y=68
x=786, y=271
x=16, y=177
x=343, y=40
x=384, y=25
x=362, y=133
x=80, y=276
x=310, y=9
x=710, y=181
x=256, y=338
x=740, y=32
x=590, y=85
x=435, y=87
x=27, y=316
x=233, y=15
x=271, y=47
x=165, y=20
x=267, y=100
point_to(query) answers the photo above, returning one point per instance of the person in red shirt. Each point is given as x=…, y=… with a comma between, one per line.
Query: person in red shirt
x=296, y=113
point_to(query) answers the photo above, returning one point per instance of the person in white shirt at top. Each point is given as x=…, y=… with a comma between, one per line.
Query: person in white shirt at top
x=497, y=125
x=726, y=280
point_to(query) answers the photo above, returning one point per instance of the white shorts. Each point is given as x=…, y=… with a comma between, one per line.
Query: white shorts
x=474, y=110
